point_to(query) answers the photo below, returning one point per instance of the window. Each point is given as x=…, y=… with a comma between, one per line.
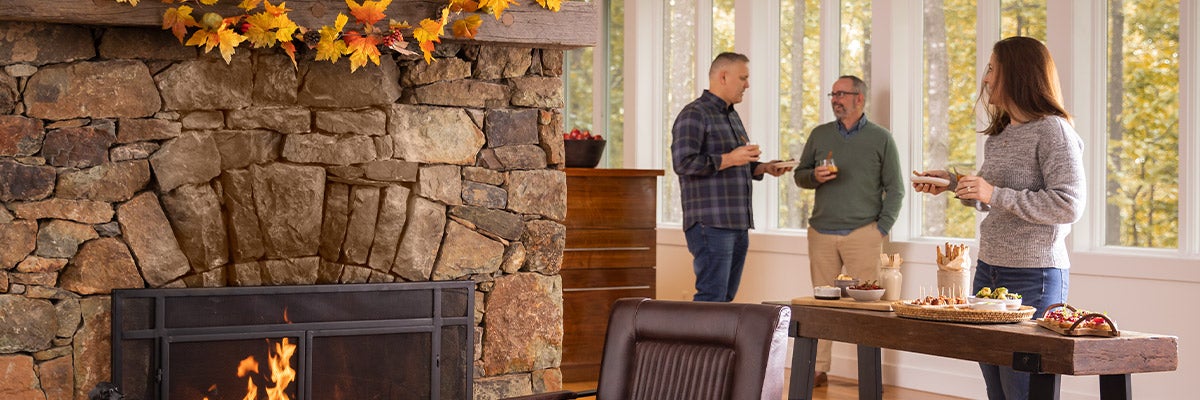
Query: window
x=595, y=100
x=1023, y=18
x=1142, y=121
x=856, y=42
x=679, y=83
x=800, y=99
x=950, y=90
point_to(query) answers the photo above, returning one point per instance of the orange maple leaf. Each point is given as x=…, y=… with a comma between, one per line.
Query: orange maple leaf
x=464, y=5
x=497, y=7
x=467, y=27
x=552, y=5
x=178, y=20
x=222, y=37
x=290, y=49
x=281, y=9
x=131, y=2
x=369, y=12
x=430, y=31
x=361, y=48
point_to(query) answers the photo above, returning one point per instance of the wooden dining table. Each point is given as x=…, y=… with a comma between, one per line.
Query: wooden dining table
x=1024, y=346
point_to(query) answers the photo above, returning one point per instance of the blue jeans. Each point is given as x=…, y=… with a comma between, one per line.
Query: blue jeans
x=718, y=256
x=1039, y=288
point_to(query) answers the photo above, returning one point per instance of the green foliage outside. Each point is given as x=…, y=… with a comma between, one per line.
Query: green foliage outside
x=800, y=99
x=1143, y=146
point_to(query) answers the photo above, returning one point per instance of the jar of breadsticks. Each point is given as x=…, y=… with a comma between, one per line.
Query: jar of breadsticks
x=954, y=270
x=889, y=276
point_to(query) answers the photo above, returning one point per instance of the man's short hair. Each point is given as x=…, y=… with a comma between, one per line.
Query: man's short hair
x=859, y=85
x=725, y=59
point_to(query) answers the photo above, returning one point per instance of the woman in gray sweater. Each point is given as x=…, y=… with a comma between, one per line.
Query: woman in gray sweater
x=1031, y=185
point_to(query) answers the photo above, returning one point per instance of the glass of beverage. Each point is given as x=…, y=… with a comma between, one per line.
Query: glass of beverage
x=828, y=162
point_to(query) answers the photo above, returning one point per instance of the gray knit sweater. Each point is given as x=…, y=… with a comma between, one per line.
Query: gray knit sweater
x=1037, y=171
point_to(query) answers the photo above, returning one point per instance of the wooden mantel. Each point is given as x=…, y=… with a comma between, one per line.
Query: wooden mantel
x=574, y=25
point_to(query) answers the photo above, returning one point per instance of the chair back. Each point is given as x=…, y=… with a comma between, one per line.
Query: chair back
x=663, y=350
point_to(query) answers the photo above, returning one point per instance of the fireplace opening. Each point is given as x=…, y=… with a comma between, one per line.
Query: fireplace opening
x=362, y=341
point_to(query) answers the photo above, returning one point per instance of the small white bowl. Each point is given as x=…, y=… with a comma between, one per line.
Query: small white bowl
x=827, y=293
x=988, y=305
x=1012, y=304
x=866, y=295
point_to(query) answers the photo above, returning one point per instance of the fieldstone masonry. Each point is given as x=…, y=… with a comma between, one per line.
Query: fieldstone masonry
x=130, y=161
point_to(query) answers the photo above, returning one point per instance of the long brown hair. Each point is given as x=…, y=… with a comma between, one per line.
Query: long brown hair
x=1028, y=81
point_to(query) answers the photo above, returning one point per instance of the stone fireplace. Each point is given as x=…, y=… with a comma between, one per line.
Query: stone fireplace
x=130, y=161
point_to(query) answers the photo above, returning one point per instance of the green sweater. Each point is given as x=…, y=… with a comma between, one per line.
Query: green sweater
x=869, y=186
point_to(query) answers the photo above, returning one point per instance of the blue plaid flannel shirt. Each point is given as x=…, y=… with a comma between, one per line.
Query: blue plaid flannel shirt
x=703, y=130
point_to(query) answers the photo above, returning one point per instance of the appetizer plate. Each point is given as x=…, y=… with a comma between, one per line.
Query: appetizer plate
x=792, y=164
x=935, y=181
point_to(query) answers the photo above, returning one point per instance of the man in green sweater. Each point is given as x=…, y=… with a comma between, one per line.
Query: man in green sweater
x=856, y=202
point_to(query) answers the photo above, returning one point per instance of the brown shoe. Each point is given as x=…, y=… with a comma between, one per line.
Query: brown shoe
x=820, y=379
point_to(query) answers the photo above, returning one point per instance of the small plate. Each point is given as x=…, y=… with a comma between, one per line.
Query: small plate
x=935, y=181
x=788, y=164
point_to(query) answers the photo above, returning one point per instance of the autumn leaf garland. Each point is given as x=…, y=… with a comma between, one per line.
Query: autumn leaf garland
x=272, y=27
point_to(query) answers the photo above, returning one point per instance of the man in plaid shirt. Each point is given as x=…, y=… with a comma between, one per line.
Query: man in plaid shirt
x=716, y=163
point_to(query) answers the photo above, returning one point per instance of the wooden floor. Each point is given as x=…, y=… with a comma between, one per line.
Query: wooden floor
x=838, y=389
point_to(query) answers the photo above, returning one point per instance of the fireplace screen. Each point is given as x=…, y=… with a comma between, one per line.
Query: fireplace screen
x=365, y=341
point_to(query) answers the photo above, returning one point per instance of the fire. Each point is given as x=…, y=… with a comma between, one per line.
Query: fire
x=282, y=374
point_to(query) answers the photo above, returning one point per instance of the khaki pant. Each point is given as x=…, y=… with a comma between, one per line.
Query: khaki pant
x=858, y=252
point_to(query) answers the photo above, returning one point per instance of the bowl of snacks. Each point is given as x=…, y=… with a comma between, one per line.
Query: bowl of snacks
x=1012, y=301
x=827, y=292
x=869, y=291
x=988, y=305
x=844, y=281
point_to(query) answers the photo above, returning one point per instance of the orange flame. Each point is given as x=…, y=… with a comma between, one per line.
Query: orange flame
x=282, y=374
x=281, y=370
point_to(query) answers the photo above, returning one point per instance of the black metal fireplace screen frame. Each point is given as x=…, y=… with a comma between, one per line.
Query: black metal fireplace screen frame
x=448, y=299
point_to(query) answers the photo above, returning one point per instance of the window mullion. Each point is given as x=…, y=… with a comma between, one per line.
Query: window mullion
x=1189, y=128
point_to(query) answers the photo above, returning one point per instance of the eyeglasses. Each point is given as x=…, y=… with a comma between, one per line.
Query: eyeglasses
x=838, y=95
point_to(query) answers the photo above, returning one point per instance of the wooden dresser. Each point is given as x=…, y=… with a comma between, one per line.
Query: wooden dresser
x=609, y=255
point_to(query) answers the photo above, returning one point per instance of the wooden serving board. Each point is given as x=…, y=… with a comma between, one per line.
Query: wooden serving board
x=877, y=305
x=1051, y=325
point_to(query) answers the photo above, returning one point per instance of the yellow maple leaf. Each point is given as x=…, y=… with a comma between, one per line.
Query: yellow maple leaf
x=330, y=47
x=552, y=5
x=249, y=4
x=497, y=7
x=259, y=31
x=464, y=5
x=131, y=2
x=467, y=27
x=369, y=12
x=286, y=28
x=361, y=48
x=209, y=3
x=178, y=20
x=427, y=48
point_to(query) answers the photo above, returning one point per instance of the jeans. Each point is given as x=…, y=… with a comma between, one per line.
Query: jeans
x=718, y=256
x=1039, y=288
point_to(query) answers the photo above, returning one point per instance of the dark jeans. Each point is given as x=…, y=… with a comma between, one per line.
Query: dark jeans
x=718, y=256
x=1039, y=288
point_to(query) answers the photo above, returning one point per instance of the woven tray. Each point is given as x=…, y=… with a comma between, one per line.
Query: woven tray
x=965, y=315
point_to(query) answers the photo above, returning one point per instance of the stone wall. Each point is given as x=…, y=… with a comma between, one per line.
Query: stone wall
x=128, y=160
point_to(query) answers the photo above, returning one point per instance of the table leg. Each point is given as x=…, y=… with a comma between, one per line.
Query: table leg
x=1043, y=386
x=804, y=363
x=870, y=373
x=1115, y=387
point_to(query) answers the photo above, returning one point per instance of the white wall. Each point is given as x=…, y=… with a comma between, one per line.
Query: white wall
x=1163, y=301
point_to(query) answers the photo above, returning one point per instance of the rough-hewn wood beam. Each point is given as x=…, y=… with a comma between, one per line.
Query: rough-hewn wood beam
x=575, y=25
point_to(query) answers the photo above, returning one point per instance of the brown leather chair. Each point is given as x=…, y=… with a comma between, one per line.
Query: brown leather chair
x=664, y=350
